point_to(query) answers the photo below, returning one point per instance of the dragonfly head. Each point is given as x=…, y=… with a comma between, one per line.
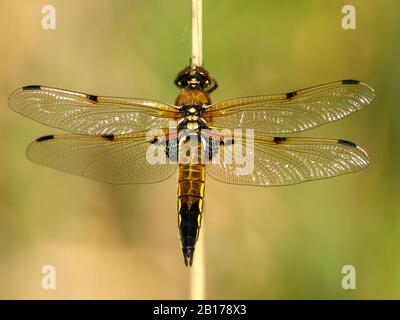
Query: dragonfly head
x=194, y=77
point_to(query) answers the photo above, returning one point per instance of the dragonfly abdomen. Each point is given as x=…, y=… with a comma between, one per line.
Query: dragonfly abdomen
x=191, y=179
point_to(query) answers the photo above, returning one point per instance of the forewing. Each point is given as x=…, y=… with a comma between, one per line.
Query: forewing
x=111, y=159
x=286, y=161
x=294, y=111
x=82, y=113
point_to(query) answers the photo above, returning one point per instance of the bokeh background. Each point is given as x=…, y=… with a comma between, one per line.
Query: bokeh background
x=261, y=243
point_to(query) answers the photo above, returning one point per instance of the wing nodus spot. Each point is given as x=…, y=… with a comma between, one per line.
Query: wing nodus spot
x=290, y=95
x=109, y=137
x=92, y=98
x=45, y=138
x=279, y=139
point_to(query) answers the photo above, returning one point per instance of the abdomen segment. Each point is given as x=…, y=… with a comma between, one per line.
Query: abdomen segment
x=191, y=179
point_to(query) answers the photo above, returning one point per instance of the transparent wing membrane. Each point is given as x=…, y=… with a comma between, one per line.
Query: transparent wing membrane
x=294, y=111
x=108, y=141
x=111, y=159
x=81, y=113
x=285, y=161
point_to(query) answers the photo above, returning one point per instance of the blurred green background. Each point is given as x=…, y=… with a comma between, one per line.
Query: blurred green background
x=263, y=243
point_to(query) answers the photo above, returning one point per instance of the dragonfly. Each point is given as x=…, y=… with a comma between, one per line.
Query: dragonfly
x=107, y=138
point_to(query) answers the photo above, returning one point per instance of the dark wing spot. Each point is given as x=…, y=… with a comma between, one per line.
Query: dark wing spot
x=347, y=143
x=93, y=98
x=213, y=147
x=109, y=137
x=167, y=148
x=45, y=138
x=171, y=149
x=279, y=139
x=291, y=94
x=155, y=140
x=31, y=88
x=227, y=142
x=350, y=82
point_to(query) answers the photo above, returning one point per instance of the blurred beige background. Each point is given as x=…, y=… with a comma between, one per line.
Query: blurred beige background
x=122, y=241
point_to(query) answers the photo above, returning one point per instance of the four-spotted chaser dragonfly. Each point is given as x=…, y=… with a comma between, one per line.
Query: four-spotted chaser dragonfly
x=108, y=137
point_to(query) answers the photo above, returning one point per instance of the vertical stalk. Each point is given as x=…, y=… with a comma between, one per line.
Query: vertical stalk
x=198, y=277
x=197, y=33
x=198, y=272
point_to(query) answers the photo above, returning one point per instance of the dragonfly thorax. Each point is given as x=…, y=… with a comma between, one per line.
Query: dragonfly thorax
x=192, y=123
x=192, y=110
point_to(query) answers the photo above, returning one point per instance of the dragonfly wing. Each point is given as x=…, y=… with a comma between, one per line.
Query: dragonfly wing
x=285, y=161
x=294, y=111
x=111, y=159
x=82, y=113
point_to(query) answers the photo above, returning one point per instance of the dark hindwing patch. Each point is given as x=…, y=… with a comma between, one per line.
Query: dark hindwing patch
x=171, y=149
x=227, y=142
x=212, y=147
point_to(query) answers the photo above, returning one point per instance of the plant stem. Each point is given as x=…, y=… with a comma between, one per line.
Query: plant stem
x=198, y=277
x=197, y=33
x=198, y=272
